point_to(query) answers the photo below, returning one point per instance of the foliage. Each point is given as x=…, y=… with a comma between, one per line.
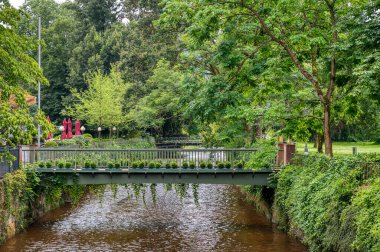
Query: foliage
x=265, y=155
x=101, y=104
x=325, y=199
x=51, y=144
x=19, y=71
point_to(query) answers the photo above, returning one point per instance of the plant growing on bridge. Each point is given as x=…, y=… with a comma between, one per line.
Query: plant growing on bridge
x=41, y=164
x=135, y=164
x=117, y=165
x=87, y=164
x=151, y=165
x=192, y=164
x=227, y=164
x=185, y=164
x=174, y=164
x=49, y=164
x=110, y=165
x=159, y=164
x=209, y=165
x=203, y=164
x=61, y=164
x=221, y=165
x=167, y=165
x=141, y=164
x=93, y=164
x=68, y=164
x=239, y=164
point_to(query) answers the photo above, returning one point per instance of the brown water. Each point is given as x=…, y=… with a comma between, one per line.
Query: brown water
x=222, y=222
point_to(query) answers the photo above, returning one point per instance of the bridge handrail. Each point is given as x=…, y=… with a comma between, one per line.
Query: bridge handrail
x=149, y=155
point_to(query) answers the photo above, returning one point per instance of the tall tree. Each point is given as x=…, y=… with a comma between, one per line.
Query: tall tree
x=307, y=33
x=17, y=70
x=101, y=103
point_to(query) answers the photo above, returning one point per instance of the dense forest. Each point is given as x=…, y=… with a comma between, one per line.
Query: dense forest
x=231, y=71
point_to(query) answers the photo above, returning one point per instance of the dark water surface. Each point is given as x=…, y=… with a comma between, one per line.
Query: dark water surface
x=222, y=222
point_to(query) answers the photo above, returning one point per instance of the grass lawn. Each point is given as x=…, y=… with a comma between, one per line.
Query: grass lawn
x=343, y=148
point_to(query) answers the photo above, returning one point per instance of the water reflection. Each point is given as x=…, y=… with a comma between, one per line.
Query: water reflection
x=222, y=222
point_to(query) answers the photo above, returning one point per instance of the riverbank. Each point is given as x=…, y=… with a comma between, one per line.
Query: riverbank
x=23, y=199
x=330, y=205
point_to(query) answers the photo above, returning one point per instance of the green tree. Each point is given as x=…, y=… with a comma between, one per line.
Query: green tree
x=101, y=103
x=305, y=36
x=17, y=69
x=159, y=110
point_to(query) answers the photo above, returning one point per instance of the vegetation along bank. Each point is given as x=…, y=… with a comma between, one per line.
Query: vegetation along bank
x=329, y=204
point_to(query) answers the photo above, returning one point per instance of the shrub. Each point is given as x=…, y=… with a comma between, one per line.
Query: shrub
x=68, y=165
x=220, y=165
x=141, y=164
x=158, y=164
x=87, y=164
x=167, y=164
x=227, y=164
x=135, y=164
x=151, y=165
x=49, y=164
x=93, y=164
x=88, y=135
x=51, y=144
x=203, y=164
x=117, y=165
x=185, y=164
x=41, y=164
x=61, y=164
x=110, y=165
x=174, y=165
x=192, y=164
x=209, y=164
x=239, y=164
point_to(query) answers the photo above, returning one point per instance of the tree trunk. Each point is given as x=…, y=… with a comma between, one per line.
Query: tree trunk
x=319, y=142
x=326, y=128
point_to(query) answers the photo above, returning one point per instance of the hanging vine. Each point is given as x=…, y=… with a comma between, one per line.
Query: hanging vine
x=153, y=192
x=195, y=188
x=181, y=190
x=114, y=189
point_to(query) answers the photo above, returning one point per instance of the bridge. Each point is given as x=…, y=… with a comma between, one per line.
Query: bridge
x=103, y=166
x=177, y=142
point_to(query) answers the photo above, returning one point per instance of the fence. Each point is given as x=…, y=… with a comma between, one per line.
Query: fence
x=102, y=156
x=10, y=165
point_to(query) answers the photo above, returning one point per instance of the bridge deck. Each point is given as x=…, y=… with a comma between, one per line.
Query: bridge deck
x=145, y=175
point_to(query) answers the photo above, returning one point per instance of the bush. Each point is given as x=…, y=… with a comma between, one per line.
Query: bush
x=185, y=164
x=265, y=155
x=227, y=164
x=87, y=164
x=68, y=165
x=209, y=165
x=41, y=164
x=167, y=165
x=203, y=164
x=51, y=144
x=192, y=164
x=93, y=164
x=61, y=164
x=135, y=164
x=49, y=164
x=151, y=165
x=141, y=164
x=239, y=164
x=158, y=164
x=88, y=135
x=117, y=165
x=110, y=165
x=174, y=165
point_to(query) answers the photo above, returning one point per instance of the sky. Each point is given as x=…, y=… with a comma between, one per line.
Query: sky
x=16, y=3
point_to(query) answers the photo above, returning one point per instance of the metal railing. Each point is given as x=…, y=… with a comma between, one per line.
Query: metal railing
x=102, y=156
x=9, y=166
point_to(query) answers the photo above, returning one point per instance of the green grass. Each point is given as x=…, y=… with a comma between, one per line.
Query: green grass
x=343, y=148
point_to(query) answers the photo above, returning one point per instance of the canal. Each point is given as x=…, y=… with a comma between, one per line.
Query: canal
x=222, y=221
